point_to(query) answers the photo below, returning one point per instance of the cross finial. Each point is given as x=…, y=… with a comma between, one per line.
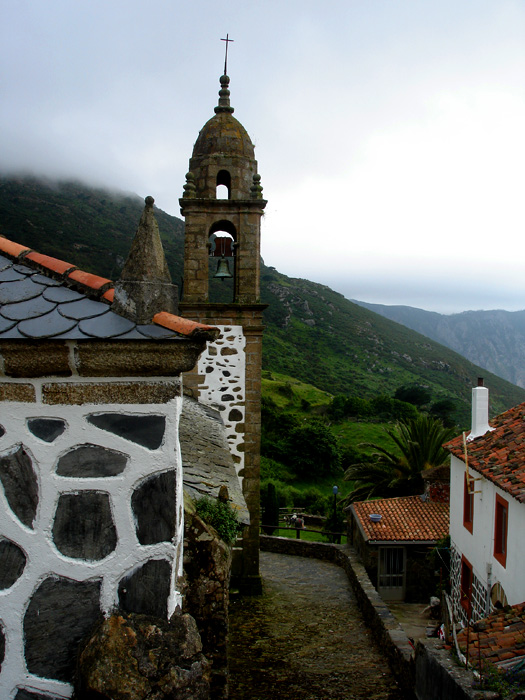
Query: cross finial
x=227, y=40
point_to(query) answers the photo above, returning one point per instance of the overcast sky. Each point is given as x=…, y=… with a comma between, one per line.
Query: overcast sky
x=390, y=134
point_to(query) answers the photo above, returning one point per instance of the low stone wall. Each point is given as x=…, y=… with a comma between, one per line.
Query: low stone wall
x=439, y=676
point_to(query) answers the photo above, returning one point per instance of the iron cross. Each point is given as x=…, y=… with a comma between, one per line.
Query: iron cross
x=227, y=40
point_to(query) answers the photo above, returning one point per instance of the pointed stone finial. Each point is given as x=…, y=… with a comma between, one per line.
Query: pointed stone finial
x=145, y=286
x=224, y=96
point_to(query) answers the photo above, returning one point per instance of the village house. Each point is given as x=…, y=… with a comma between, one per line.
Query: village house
x=487, y=511
x=393, y=537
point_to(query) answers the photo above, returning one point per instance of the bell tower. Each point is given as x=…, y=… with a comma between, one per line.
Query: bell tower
x=222, y=206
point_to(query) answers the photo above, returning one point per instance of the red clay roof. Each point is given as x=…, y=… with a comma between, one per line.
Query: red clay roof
x=500, y=454
x=404, y=519
x=500, y=640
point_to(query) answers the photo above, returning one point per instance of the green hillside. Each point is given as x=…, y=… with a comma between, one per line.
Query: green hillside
x=313, y=334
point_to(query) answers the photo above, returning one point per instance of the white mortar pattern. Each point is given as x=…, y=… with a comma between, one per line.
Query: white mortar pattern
x=43, y=558
x=217, y=384
x=479, y=590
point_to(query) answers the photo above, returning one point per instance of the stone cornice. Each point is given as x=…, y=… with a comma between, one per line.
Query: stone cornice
x=104, y=358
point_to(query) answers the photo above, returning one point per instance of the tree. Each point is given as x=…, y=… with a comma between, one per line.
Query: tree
x=397, y=471
x=444, y=410
x=413, y=393
x=312, y=449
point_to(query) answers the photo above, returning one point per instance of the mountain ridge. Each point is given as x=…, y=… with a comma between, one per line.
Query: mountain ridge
x=313, y=333
x=494, y=339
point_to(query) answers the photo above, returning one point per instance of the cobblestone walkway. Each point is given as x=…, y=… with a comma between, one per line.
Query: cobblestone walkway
x=304, y=638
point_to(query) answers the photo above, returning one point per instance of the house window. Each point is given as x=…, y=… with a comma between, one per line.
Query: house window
x=468, y=504
x=466, y=585
x=501, y=521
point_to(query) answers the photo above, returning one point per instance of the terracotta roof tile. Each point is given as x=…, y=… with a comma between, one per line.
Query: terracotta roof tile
x=182, y=325
x=499, y=455
x=498, y=637
x=49, y=263
x=12, y=248
x=89, y=280
x=404, y=519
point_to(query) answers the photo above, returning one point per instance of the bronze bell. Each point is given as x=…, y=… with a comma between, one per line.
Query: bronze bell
x=223, y=270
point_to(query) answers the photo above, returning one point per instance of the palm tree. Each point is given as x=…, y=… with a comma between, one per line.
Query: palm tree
x=397, y=471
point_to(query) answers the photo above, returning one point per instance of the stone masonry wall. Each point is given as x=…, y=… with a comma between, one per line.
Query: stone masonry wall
x=90, y=518
x=223, y=366
x=207, y=564
x=249, y=318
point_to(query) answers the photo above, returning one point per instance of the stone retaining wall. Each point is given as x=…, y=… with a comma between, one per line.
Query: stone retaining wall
x=430, y=670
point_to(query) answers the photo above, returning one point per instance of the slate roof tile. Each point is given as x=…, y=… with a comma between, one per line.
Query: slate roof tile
x=27, y=309
x=19, y=290
x=46, y=326
x=109, y=325
x=499, y=455
x=10, y=275
x=62, y=294
x=46, y=281
x=403, y=519
x=83, y=308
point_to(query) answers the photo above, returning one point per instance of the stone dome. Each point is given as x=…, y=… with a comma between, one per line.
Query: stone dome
x=223, y=134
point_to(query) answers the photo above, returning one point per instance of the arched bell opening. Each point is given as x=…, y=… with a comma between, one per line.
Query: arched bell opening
x=221, y=265
x=224, y=185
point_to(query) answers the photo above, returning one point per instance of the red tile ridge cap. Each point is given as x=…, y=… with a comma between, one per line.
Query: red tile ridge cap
x=87, y=279
x=184, y=326
x=68, y=272
x=11, y=248
x=60, y=267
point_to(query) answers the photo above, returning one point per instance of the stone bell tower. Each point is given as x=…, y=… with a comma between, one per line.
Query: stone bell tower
x=222, y=205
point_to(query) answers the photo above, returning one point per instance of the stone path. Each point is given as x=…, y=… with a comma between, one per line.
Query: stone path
x=304, y=638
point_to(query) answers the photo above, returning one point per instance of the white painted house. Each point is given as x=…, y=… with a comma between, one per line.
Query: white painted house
x=487, y=511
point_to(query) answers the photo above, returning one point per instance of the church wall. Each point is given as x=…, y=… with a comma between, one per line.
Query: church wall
x=91, y=517
x=223, y=368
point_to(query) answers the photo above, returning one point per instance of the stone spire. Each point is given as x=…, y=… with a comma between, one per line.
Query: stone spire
x=224, y=96
x=145, y=287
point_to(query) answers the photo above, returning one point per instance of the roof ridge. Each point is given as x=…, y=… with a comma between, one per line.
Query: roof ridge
x=97, y=288
x=92, y=285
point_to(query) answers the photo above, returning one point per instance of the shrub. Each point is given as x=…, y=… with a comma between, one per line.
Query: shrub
x=220, y=516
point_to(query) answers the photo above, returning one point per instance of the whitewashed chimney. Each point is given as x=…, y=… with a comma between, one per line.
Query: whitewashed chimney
x=480, y=411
